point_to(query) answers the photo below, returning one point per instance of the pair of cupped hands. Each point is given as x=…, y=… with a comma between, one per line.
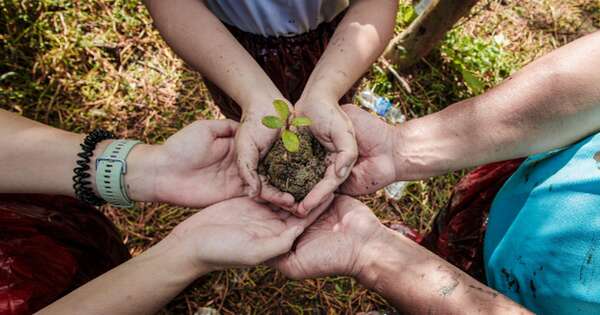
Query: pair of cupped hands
x=247, y=222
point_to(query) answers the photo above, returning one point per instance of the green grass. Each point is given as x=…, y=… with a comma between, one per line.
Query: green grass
x=78, y=65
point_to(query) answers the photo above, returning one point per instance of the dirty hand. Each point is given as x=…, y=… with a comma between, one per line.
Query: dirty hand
x=195, y=167
x=338, y=243
x=375, y=167
x=252, y=142
x=239, y=233
x=332, y=127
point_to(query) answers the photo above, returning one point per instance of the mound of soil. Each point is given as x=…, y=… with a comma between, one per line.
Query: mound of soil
x=296, y=173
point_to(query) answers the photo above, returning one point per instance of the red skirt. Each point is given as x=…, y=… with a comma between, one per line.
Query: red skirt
x=50, y=245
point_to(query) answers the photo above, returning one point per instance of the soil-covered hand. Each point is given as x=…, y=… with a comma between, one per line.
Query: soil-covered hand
x=195, y=167
x=252, y=142
x=375, y=167
x=335, y=244
x=332, y=127
x=239, y=233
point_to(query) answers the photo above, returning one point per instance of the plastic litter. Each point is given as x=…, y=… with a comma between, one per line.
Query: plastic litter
x=384, y=108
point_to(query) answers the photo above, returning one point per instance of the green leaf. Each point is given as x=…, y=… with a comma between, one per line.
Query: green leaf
x=282, y=109
x=301, y=121
x=272, y=122
x=290, y=141
x=471, y=81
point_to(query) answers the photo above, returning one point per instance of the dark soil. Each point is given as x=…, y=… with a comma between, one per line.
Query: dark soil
x=296, y=173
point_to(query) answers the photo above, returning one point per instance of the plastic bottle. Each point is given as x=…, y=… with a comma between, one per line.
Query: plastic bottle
x=384, y=108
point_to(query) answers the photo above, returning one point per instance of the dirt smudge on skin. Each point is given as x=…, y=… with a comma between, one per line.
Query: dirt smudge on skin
x=452, y=282
x=484, y=291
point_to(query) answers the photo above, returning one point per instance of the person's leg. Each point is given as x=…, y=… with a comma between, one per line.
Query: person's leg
x=288, y=61
x=543, y=240
x=50, y=245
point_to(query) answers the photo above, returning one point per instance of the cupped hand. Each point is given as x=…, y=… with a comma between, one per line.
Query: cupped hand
x=336, y=244
x=332, y=127
x=196, y=166
x=252, y=142
x=239, y=233
x=375, y=167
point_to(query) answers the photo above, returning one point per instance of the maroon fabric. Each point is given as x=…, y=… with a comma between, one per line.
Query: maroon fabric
x=288, y=61
x=458, y=230
x=50, y=245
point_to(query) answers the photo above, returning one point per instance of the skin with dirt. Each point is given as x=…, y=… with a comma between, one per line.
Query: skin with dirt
x=295, y=173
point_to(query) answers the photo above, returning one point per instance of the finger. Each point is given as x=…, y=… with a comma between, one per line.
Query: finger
x=347, y=151
x=277, y=245
x=320, y=192
x=313, y=216
x=223, y=128
x=275, y=196
x=247, y=162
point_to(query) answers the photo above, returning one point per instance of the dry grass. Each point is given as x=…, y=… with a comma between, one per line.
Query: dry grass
x=77, y=65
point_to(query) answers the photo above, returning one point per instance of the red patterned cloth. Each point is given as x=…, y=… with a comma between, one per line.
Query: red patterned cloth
x=50, y=245
x=458, y=230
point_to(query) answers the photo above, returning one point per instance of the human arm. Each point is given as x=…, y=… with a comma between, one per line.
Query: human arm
x=551, y=103
x=202, y=40
x=233, y=233
x=357, y=42
x=349, y=240
x=40, y=159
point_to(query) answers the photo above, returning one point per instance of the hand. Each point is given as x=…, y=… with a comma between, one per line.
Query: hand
x=252, y=142
x=332, y=127
x=375, y=168
x=195, y=167
x=240, y=233
x=336, y=244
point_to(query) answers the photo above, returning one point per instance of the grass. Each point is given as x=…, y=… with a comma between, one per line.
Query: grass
x=78, y=65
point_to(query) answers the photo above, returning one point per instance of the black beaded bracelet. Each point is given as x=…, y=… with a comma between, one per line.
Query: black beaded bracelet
x=81, y=184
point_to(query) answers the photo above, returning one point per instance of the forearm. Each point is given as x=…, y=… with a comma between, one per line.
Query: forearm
x=419, y=282
x=40, y=159
x=551, y=103
x=202, y=40
x=357, y=42
x=36, y=158
x=142, y=285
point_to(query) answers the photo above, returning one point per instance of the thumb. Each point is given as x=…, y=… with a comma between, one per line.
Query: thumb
x=223, y=128
x=279, y=244
x=347, y=151
x=247, y=163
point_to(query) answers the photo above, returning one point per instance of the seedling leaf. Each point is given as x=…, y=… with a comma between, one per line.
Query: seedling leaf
x=282, y=109
x=290, y=141
x=301, y=121
x=272, y=122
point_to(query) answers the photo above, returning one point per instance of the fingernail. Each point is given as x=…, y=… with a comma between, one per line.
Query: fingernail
x=344, y=171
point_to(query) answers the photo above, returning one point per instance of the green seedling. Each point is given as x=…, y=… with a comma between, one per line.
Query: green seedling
x=290, y=139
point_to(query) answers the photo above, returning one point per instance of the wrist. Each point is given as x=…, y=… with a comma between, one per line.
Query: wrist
x=414, y=154
x=178, y=259
x=140, y=178
x=315, y=97
x=385, y=252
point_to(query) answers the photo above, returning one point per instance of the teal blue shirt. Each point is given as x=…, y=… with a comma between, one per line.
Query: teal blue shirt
x=542, y=246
